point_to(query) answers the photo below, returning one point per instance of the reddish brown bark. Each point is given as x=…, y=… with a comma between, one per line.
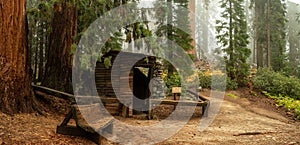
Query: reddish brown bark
x=58, y=66
x=41, y=52
x=192, y=4
x=15, y=83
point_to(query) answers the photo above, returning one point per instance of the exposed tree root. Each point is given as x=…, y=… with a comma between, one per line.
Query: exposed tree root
x=38, y=107
x=253, y=133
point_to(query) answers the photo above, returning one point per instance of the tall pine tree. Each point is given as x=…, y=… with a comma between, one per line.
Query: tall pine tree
x=293, y=39
x=176, y=14
x=259, y=26
x=179, y=17
x=278, y=34
x=277, y=28
x=233, y=37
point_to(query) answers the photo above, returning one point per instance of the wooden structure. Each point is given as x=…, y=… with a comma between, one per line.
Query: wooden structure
x=138, y=81
x=138, y=85
x=99, y=124
x=137, y=69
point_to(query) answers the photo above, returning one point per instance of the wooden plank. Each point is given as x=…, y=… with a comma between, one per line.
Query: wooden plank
x=95, y=99
x=78, y=131
x=203, y=98
x=175, y=102
x=205, y=105
x=125, y=111
x=113, y=110
x=69, y=130
x=97, y=122
x=95, y=137
x=53, y=92
x=87, y=100
x=104, y=126
x=75, y=131
x=68, y=117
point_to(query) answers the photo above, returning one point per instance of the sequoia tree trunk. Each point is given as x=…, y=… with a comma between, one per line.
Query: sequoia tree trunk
x=41, y=52
x=260, y=35
x=58, y=67
x=15, y=84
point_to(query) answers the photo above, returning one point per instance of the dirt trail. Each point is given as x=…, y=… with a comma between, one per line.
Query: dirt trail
x=234, y=119
x=236, y=116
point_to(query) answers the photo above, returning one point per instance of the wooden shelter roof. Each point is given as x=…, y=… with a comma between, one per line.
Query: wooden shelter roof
x=129, y=55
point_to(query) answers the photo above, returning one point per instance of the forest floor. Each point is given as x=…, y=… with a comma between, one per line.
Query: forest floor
x=244, y=113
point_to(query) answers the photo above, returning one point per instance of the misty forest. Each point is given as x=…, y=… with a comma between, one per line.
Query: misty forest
x=149, y=72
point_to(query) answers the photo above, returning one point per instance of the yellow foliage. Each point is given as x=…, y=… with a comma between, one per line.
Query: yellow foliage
x=214, y=72
x=165, y=75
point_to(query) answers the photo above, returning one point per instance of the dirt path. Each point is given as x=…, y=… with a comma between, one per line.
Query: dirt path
x=234, y=119
x=236, y=116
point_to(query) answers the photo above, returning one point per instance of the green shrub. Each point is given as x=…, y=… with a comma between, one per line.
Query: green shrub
x=287, y=102
x=219, y=80
x=173, y=80
x=204, y=80
x=297, y=113
x=277, y=83
x=231, y=85
x=233, y=96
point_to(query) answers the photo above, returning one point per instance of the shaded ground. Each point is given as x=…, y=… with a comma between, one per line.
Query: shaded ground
x=246, y=114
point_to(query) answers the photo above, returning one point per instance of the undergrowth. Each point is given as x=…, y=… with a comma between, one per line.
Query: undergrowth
x=289, y=103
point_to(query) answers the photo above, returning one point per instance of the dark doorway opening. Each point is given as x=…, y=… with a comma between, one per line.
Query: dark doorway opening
x=141, y=90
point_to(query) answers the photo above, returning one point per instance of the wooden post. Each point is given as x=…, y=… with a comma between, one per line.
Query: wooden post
x=126, y=94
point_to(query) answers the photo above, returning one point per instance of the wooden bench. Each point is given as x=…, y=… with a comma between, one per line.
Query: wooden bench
x=91, y=131
x=205, y=101
x=200, y=100
x=203, y=104
x=99, y=121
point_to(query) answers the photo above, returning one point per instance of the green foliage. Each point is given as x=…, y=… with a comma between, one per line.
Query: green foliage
x=39, y=16
x=233, y=38
x=293, y=67
x=107, y=62
x=176, y=16
x=173, y=80
x=287, y=102
x=205, y=81
x=278, y=35
x=73, y=48
x=230, y=84
x=89, y=11
x=277, y=83
x=233, y=96
x=278, y=22
x=192, y=57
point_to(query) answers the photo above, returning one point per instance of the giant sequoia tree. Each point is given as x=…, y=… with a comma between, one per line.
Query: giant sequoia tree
x=15, y=83
x=70, y=20
x=260, y=31
x=58, y=67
